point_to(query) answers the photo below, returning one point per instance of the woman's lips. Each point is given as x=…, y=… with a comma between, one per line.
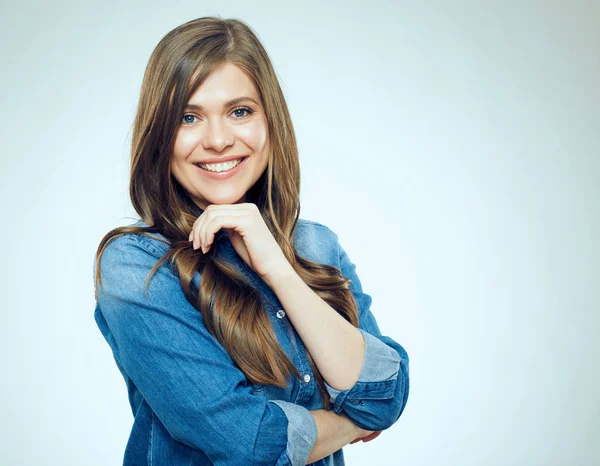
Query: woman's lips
x=224, y=174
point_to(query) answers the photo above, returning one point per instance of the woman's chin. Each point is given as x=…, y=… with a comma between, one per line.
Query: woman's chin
x=224, y=200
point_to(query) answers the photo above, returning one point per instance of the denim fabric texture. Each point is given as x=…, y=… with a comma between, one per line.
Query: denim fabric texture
x=191, y=404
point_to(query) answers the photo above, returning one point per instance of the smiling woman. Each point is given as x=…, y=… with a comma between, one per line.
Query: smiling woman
x=224, y=124
x=241, y=330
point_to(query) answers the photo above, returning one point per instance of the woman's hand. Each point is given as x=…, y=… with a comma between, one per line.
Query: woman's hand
x=371, y=435
x=249, y=235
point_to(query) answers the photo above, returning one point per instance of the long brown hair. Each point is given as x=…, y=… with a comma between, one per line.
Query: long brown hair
x=235, y=317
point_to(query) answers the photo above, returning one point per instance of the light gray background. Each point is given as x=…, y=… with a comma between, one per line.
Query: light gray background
x=453, y=146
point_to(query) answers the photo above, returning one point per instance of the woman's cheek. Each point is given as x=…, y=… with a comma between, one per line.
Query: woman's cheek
x=185, y=143
x=254, y=135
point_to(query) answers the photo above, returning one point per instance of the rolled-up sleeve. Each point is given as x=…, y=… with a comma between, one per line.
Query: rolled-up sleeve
x=379, y=396
x=185, y=375
x=302, y=431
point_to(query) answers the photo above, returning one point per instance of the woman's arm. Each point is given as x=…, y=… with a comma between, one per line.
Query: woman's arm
x=375, y=397
x=334, y=431
x=337, y=347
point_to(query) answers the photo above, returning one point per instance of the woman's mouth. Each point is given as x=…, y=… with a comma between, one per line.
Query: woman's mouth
x=221, y=170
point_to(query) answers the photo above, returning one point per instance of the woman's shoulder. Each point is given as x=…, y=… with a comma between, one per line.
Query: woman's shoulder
x=314, y=228
x=138, y=243
x=316, y=241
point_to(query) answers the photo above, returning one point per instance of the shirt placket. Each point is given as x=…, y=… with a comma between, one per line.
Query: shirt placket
x=293, y=346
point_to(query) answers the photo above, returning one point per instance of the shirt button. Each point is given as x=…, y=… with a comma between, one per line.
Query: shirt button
x=280, y=313
x=306, y=378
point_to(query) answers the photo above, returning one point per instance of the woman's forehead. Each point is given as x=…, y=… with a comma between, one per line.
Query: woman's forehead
x=225, y=82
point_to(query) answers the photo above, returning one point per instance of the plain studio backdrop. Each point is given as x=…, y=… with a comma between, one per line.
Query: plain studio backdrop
x=453, y=147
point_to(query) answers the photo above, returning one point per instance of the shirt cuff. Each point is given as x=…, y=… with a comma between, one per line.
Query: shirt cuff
x=381, y=363
x=302, y=431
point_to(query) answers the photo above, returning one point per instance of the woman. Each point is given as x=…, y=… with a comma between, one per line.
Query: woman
x=241, y=330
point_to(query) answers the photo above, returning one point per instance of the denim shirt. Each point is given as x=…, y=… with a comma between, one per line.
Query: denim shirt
x=191, y=404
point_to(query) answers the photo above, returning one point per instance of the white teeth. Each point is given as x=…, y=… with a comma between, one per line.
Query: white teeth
x=220, y=167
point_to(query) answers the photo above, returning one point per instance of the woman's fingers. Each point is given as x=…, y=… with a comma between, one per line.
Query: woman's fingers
x=368, y=438
x=373, y=436
x=208, y=224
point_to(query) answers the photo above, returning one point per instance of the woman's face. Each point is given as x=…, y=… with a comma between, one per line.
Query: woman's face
x=213, y=128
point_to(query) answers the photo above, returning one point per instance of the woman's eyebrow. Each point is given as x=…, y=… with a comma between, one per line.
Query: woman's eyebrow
x=227, y=104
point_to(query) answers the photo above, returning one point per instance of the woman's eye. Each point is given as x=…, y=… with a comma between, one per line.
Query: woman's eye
x=239, y=113
x=188, y=115
x=243, y=109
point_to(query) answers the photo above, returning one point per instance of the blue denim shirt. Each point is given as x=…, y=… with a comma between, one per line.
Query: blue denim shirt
x=191, y=405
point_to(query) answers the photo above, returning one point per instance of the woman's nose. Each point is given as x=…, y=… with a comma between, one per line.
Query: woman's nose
x=217, y=136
